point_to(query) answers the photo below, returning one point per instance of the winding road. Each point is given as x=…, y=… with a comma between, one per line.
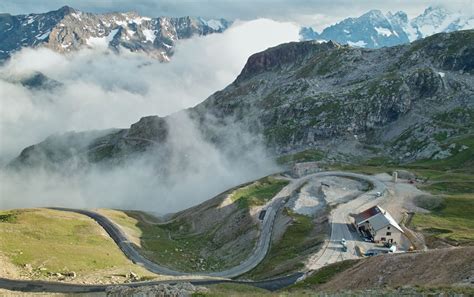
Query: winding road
x=329, y=254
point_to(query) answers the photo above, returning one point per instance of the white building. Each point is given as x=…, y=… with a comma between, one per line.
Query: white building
x=379, y=225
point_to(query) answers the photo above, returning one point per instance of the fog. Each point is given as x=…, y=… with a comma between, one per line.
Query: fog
x=183, y=172
x=101, y=90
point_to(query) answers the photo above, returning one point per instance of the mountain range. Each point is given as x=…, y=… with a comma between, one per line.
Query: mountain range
x=68, y=29
x=406, y=103
x=374, y=29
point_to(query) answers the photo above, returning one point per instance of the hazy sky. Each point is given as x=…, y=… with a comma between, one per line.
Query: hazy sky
x=317, y=13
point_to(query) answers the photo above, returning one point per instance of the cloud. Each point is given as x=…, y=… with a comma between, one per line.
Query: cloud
x=101, y=90
x=191, y=171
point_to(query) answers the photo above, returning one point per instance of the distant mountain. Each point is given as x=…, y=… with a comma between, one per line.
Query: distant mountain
x=374, y=29
x=68, y=29
x=406, y=103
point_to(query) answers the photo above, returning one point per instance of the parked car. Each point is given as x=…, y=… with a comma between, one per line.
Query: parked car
x=370, y=253
x=343, y=241
x=367, y=239
x=378, y=194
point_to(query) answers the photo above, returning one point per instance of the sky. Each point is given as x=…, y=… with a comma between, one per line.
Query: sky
x=315, y=13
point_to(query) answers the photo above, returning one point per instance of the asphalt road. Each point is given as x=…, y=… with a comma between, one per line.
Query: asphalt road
x=258, y=254
x=331, y=253
x=57, y=287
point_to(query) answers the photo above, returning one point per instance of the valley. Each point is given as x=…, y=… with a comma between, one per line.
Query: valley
x=143, y=232
x=341, y=164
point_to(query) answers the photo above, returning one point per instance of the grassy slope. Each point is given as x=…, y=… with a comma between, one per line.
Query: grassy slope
x=452, y=221
x=60, y=242
x=164, y=244
x=452, y=179
x=303, y=156
x=259, y=192
x=387, y=275
x=323, y=275
x=288, y=254
x=175, y=246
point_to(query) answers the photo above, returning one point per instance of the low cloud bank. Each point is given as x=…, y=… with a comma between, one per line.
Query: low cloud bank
x=180, y=173
x=100, y=90
x=103, y=90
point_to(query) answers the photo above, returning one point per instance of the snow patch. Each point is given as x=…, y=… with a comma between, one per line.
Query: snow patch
x=43, y=36
x=139, y=20
x=97, y=42
x=215, y=24
x=111, y=35
x=383, y=31
x=149, y=35
x=77, y=15
x=359, y=43
x=411, y=32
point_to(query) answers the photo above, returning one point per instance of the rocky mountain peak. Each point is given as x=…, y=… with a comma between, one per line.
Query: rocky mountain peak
x=373, y=15
x=65, y=10
x=399, y=17
x=68, y=29
x=374, y=29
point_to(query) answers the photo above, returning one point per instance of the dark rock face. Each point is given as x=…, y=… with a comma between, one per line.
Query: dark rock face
x=38, y=80
x=272, y=58
x=68, y=29
x=336, y=98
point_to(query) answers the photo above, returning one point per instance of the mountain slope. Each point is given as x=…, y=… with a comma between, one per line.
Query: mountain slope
x=348, y=102
x=443, y=267
x=374, y=29
x=68, y=29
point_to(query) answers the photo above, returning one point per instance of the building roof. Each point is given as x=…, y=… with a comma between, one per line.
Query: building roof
x=366, y=214
x=378, y=218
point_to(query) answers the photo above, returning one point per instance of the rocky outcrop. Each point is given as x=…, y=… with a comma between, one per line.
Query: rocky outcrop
x=180, y=289
x=287, y=54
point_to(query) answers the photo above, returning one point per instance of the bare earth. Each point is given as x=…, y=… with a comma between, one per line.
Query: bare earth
x=434, y=268
x=8, y=269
